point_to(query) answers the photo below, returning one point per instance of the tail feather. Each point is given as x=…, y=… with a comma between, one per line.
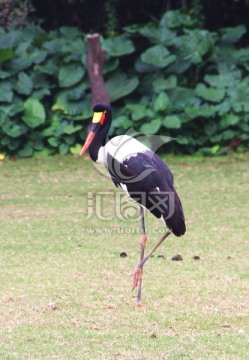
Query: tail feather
x=176, y=222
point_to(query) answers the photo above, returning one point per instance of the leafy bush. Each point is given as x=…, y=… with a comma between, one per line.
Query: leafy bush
x=40, y=70
x=193, y=86
x=168, y=77
x=44, y=90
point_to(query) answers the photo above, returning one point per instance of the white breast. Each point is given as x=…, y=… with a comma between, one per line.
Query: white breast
x=121, y=148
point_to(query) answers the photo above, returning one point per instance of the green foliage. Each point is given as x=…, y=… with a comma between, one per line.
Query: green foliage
x=193, y=86
x=168, y=77
x=120, y=85
x=44, y=89
x=34, y=113
x=158, y=56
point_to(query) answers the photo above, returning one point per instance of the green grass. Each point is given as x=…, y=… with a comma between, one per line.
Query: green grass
x=66, y=293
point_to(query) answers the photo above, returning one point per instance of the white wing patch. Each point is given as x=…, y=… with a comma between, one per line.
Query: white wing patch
x=121, y=148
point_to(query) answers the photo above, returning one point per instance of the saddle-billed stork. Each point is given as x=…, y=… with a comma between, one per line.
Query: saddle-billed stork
x=142, y=174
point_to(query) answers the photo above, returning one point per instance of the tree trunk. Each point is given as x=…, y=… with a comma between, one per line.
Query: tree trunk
x=95, y=62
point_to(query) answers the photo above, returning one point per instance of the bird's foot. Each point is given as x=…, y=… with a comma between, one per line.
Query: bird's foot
x=139, y=304
x=137, y=274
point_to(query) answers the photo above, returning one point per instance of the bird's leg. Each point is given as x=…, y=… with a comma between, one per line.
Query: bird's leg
x=137, y=276
x=139, y=267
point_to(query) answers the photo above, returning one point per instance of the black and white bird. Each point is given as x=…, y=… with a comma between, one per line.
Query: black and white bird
x=142, y=174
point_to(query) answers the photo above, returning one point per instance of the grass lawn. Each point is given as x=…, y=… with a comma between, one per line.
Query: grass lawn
x=65, y=291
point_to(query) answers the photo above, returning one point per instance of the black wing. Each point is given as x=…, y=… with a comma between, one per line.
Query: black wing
x=149, y=181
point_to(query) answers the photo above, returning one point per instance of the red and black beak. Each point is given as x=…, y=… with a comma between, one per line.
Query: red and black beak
x=88, y=142
x=97, y=120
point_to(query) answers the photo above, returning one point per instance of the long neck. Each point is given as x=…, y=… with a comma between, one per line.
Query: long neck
x=100, y=138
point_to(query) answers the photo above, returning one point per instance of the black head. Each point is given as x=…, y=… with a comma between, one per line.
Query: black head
x=102, y=107
x=101, y=122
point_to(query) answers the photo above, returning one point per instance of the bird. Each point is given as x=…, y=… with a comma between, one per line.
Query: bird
x=143, y=175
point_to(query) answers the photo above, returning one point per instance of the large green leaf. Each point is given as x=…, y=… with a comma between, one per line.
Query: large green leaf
x=239, y=96
x=71, y=107
x=70, y=129
x=54, y=141
x=118, y=46
x=26, y=151
x=13, y=130
x=223, y=55
x=176, y=19
x=179, y=66
x=224, y=107
x=158, y=56
x=138, y=111
x=183, y=140
x=19, y=63
x=172, y=122
x=75, y=47
x=151, y=128
x=78, y=91
x=6, y=54
x=10, y=39
x=210, y=94
x=229, y=120
x=182, y=97
x=195, y=44
x=54, y=46
x=49, y=67
x=224, y=79
x=37, y=56
x=54, y=121
x=161, y=102
x=200, y=111
x=228, y=134
x=70, y=75
x=232, y=34
x=13, y=108
x=110, y=65
x=34, y=113
x=119, y=85
x=24, y=84
x=158, y=35
x=6, y=92
x=4, y=74
x=35, y=34
x=164, y=84
x=63, y=149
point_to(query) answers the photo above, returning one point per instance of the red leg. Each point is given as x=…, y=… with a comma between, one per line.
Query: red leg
x=137, y=276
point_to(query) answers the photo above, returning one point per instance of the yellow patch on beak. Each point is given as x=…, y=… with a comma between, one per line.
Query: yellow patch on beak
x=97, y=117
